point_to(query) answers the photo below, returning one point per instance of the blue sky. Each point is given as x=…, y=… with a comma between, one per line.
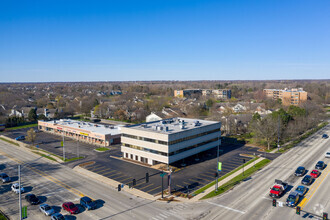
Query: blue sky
x=48, y=40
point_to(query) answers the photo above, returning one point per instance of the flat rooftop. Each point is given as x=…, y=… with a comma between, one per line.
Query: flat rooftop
x=87, y=126
x=172, y=125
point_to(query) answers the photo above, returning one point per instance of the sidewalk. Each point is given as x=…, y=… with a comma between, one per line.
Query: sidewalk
x=207, y=191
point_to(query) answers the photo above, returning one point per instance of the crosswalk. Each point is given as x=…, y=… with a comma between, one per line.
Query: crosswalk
x=171, y=212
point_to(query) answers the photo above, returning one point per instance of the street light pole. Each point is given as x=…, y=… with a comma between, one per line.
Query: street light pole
x=78, y=149
x=63, y=147
x=278, y=135
x=216, y=184
x=19, y=190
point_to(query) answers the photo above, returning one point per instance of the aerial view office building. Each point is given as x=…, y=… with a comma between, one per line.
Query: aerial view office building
x=169, y=140
x=96, y=134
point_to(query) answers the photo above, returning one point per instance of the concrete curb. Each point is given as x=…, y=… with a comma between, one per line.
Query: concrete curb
x=207, y=191
x=113, y=183
x=23, y=146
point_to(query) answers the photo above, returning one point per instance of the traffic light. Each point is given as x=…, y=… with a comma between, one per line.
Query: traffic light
x=147, y=177
x=274, y=202
x=325, y=216
x=134, y=182
x=216, y=174
x=298, y=209
x=130, y=185
x=243, y=160
x=119, y=187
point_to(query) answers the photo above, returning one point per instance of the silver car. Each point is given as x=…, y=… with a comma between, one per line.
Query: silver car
x=5, y=178
x=327, y=154
x=46, y=209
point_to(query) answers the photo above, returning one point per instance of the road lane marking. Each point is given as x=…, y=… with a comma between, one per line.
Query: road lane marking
x=226, y=207
x=41, y=173
x=308, y=197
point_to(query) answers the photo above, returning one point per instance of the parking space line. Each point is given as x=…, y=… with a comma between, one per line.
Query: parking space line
x=204, y=179
x=102, y=170
x=109, y=172
x=125, y=178
x=180, y=186
x=146, y=186
x=153, y=189
x=210, y=176
x=115, y=174
x=139, y=184
x=186, y=183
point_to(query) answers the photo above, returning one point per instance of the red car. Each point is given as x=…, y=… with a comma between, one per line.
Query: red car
x=315, y=173
x=70, y=207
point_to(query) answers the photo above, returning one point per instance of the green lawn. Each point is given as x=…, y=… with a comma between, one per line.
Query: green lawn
x=11, y=142
x=102, y=149
x=23, y=126
x=223, y=177
x=72, y=159
x=44, y=155
x=236, y=180
x=2, y=217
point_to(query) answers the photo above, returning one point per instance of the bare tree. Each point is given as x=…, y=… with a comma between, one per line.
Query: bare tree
x=31, y=136
x=265, y=128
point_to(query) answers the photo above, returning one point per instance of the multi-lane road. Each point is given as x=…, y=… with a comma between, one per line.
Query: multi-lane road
x=56, y=184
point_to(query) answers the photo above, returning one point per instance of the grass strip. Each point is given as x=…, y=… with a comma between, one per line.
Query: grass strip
x=3, y=217
x=223, y=177
x=236, y=180
x=23, y=126
x=102, y=149
x=44, y=155
x=72, y=159
x=11, y=142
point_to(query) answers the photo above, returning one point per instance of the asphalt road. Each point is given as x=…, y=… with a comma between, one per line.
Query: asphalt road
x=250, y=200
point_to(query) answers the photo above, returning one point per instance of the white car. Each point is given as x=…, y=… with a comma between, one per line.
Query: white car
x=15, y=188
x=327, y=154
x=46, y=209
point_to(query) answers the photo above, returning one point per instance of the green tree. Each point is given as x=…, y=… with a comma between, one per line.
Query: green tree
x=209, y=103
x=256, y=117
x=42, y=117
x=285, y=117
x=295, y=111
x=32, y=116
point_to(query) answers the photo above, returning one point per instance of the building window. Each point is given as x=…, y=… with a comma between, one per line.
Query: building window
x=126, y=155
x=132, y=156
x=136, y=157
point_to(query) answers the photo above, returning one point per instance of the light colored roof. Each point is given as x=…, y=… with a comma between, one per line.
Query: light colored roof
x=91, y=127
x=172, y=125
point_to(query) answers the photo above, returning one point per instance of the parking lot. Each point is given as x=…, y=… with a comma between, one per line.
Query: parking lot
x=191, y=173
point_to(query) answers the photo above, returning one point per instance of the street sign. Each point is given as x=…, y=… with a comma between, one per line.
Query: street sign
x=24, y=212
x=219, y=166
x=162, y=174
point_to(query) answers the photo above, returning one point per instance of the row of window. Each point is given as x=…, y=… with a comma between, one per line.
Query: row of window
x=171, y=142
x=172, y=153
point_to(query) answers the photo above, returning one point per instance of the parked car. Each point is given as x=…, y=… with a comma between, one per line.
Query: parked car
x=300, y=171
x=327, y=154
x=20, y=138
x=301, y=190
x=46, y=209
x=325, y=136
x=292, y=199
x=15, y=188
x=320, y=165
x=307, y=180
x=315, y=173
x=57, y=216
x=70, y=207
x=88, y=203
x=32, y=199
x=5, y=178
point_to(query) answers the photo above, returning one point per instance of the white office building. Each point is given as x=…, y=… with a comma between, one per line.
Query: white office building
x=169, y=140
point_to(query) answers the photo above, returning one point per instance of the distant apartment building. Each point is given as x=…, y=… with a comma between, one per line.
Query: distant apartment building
x=293, y=96
x=218, y=93
x=186, y=92
x=170, y=140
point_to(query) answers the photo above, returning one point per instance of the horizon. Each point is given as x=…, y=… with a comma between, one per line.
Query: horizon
x=83, y=41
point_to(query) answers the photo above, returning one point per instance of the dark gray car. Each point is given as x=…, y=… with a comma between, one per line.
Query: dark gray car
x=5, y=178
x=307, y=180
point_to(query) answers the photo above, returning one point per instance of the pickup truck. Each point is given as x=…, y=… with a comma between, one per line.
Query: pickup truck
x=278, y=189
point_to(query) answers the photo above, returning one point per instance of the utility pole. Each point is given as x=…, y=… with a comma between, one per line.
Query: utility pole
x=77, y=148
x=278, y=134
x=19, y=191
x=63, y=147
x=169, y=181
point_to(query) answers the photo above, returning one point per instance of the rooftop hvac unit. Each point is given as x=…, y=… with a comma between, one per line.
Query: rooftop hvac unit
x=182, y=126
x=166, y=128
